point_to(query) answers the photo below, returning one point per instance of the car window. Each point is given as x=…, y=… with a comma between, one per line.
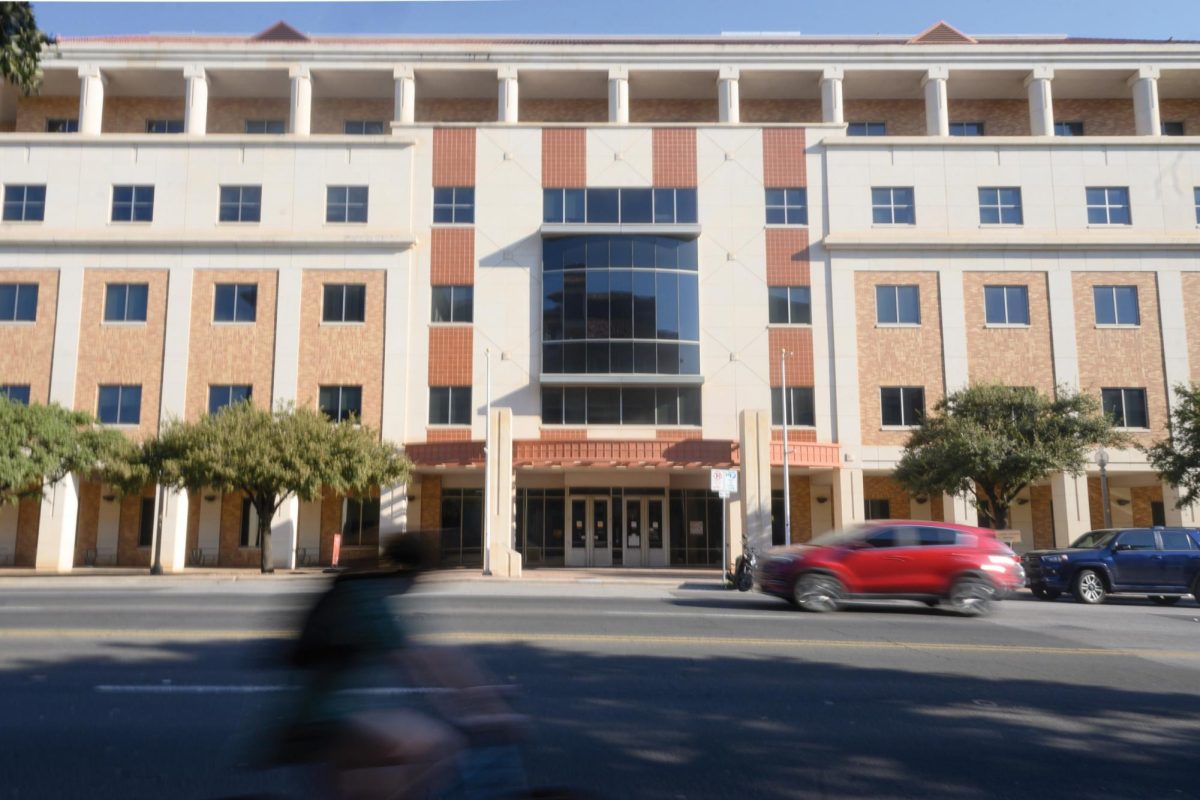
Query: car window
x=934, y=537
x=1095, y=539
x=1137, y=540
x=1175, y=540
x=887, y=537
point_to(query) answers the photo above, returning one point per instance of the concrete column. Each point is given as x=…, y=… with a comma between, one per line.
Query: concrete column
x=848, y=507
x=91, y=100
x=831, y=96
x=195, y=107
x=843, y=331
x=395, y=348
x=1072, y=514
x=300, y=122
x=1145, y=102
x=728, y=102
x=937, y=107
x=1041, y=101
x=1062, y=329
x=287, y=343
x=505, y=561
x=1173, y=323
x=175, y=348
x=393, y=511
x=56, y=526
x=754, y=478
x=405, y=109
x=1188, y=516
x=509, y=106
x=618, y=96
x=285, y=533
x=959, y=510
x=954, y=329
x=174, y=531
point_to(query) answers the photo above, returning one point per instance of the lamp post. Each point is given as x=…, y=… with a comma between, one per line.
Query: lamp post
x=487, y=469
x=1102, y=460
x=787, y=489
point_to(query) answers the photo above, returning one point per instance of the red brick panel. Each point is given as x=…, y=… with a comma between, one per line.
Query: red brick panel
x=787, y=257
x=454, y=157
x=448, y=435
x=452, y=256
x=564, y=158
x=450, y=356
x=798, y=343
x=794, y=434
x=563, y=434
x=783, y=157
x=674, y=157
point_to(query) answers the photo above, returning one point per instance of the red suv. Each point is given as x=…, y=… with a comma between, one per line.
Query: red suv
x=933, y=562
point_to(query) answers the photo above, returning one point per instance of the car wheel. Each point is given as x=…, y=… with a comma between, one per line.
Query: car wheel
x=1164, y=599
x=1089, y=587
x=971, y=597
x=817, y=592
x=1042, y=593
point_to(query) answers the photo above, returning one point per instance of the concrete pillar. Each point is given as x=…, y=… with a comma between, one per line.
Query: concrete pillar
x=959, y=510
x=285, y=534
x=1188, y=516
x=395, y=348
x=175, y=348
x=954, y=328
x=393, y=511
x=843, y=332
x=91, y=100
x=728, y=102
x=937, y=107
x=1062, y=329
x=1041, y=101
x=1147, y=121
x=1072, y=514
x=509, y=106
x=405, y=109
x=174, y=531
x=300, y=121
x=195, y=104
x=56, y=526
x=831, y=96
x=848, y=506
x=505, y=561
x=618, y=96
x=1173, y=324
x=754, y=478
x=287, y=343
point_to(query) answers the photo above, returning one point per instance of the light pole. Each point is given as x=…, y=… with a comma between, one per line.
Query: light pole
x=787, y=488
x=1102, y=460
x=487, y=469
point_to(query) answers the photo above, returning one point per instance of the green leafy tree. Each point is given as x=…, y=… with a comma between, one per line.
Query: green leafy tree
x=271, y=456
x=1176, y=459
x=21, y=46
x=988, y=442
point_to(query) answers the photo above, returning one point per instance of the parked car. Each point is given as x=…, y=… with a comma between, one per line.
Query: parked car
x=1163, y=563
x=933, y=562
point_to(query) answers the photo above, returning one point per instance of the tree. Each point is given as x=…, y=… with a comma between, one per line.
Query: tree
x=1176, y=459
x=21, y=44
x=271, y=456
x=989, y=441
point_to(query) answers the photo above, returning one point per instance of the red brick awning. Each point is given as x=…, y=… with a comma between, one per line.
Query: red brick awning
x=625, y=453
x=807, y=454
x=445, y=454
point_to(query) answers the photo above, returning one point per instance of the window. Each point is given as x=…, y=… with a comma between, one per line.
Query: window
x=119, y=405
x=1175, y=540
x=62, y=126
x=1173, y=128
x=453, y=303
x=341, y=403
x=1108, y=205
x=221, y=395
x=902, y=405
x=628, y=405
x=1116, y=305
x=360, y=521
x=893, y=205
x=1006, y=305
x=629, y=206
x=164, y=126
x=18, y=302
x=363, y=127
x=789, y=305
x=449, y=405
x=454, y=205
x=966, y=129
x=344, y=302
x=877, y=509
x=241, y=204
x=133, y=204
x=1127, y=407
x=24, y=203
x=1158, y=514
x=897, y=305
x=15, y=393
x=346, y=204
x=1137, y=540
x=235, y=302
x=248, y=535
x=999, y=205
x=265, y=126
x=125, y=302
x=1196, y=197
x=146, y=523
x=787, y=206
x=800, y=410
x=1073, y=128
x=866, y=129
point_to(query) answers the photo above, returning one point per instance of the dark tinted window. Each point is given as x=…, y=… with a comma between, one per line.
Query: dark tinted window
x=24, y=203
x=341, y=403
x=235, y=302
x=1137, y=540
x=240, y=204
x=936, y=537
x=877, y=509
x=1176, y=540
x=18, y=302
x=346, y=204
x=133, y=204
x=125, y=302
x=15, y=393
x=146, y=523
x=344, y=302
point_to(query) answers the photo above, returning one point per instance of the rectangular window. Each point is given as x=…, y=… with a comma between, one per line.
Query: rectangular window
x=1006, y=305
x=265, y=126
x=346, y=204
x=1073, y=128
x=235, y=302
x=902, y=405
x=629, y=405
x=787, y=206
x=248, y=536
x=341, y=403
x=1108, y=205
x=966, y=129
x=146, y=523
x=363, y=127
x=454, y=205
x=453, y=303
x=789, y=305
x=241, y=204
x=344, y=302
x=133, y=204
x=1173, y=128
x=893, y=205
x=221, y=395
x=1116, y=305
x=119, y=405
x=800, y=411
x=164, y=126
x=360, y=521
x=24, y=203
x=18, y=302
x=877, y=509
x=449, y=405
x=62, y=125
x=1000, y=205
x=15, y=393
x=866, y=129
x=662, y=206
x=897, y=305
x=1127, y=407
x=125, y=302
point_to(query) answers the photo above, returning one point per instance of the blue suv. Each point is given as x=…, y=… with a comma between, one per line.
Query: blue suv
x=1163, y=563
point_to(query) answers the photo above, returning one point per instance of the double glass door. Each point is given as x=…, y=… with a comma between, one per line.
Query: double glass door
x=642, y=532
x=591, y=535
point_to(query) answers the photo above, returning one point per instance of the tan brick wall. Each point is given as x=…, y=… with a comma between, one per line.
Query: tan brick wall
x=664, y=110
x=193, y=522
x=128, y=552
x=801, y=502
x=787, y=257
x=129, y=114
x=230, y=353
x=564, y=157
x=455, y=110
x=28, y=348
x=431, y=502
x=564, y=110
x=452, y=256
x=1096, y=503
x=1122, y=357
x=454, y=157
x=798, y=342
x=1043, y=517
x=883, y=487
x=450, y=355
x=331, y=523
x=29, y=519
x=342, y=354
x=1011, y=356
x=789, y=111
x=88, y=522
x=450, y=434
x=122, y=353
x=32, y=112
x=1099, y=117
x=903, y=117
x=999, y=117
x=896, y=356
x=937, y=509
x=229, y=114
x=1142, y=497
x=674, y=156
x=1191, y=310
x=1182, y=110
x=230, y=553
x=329, y=114
x=783, y=157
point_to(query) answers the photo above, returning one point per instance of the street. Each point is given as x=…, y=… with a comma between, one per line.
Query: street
x=152, y=688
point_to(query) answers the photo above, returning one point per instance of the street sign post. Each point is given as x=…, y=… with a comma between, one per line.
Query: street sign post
x=724, y=483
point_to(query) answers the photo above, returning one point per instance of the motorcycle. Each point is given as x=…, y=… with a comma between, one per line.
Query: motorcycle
x=743, y=569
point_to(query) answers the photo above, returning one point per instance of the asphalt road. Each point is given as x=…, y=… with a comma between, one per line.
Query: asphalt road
x=165, y=688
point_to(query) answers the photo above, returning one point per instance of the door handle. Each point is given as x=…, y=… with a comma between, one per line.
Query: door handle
x=896, y=558
x=1157, y=558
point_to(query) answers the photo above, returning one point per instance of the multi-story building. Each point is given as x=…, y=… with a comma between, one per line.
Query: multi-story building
x=632, y=250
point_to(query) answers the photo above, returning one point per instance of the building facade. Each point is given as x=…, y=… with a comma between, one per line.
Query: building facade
x=638, y=253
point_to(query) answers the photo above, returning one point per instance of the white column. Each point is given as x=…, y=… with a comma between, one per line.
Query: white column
x=1173, y=323
x=287, y=342
x=509, y=106
x=754, y=478
x=937, y=108
x=954, y=329
x=848, y=507
x=959, y=510
x=301, y=114
x=831, y=96
x=1072, y=513
x=56, y=526
x=505, y=561
x=1041, y=101
x=195, y=108
x=1188, y=516
x=285, y=533
x=91, y=99
x=727, y=96
x=1145, y=102
x=175, y=348
x=1062, y=329
x=174, y=532
x=618, y=96
x=843, y=327
x=405, y=110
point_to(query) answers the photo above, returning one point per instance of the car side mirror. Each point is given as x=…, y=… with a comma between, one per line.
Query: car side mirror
x=1121, y=547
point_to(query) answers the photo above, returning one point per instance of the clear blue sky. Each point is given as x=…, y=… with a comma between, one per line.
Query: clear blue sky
x=1116, y=18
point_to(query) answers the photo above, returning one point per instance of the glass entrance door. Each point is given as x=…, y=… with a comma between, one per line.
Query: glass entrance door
x=590, y=544
x=634, y=533
x=643, y=523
